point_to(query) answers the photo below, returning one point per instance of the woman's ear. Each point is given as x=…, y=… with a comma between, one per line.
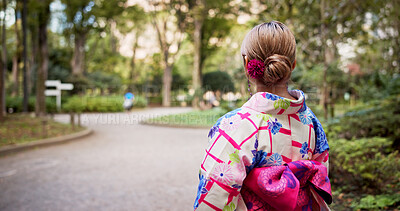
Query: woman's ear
x=294, y=65
x=245, y=63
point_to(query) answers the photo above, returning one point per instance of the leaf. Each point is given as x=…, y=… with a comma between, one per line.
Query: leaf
x=234, y=157
x=276, y=104
x=230, y=207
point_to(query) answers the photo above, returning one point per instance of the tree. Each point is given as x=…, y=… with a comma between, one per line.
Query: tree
x=43, y=12
x=211, y=20
x=199, y=15
x=25, y=56
x=81, y=17
x=16, y=59
x=169, y=18
x=319, y=26
x=3, y=64
x=218, y=81
x=133, y=20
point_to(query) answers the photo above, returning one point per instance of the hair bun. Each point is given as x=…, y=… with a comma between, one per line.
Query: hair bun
x=278, y=68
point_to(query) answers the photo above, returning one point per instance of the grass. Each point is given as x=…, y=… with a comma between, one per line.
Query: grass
x=18, y=128
x=205, y=118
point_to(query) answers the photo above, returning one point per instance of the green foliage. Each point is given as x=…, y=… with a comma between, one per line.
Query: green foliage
x=104, y=81
x=59, y=64
x=178, y=82
x=218, y=80
x=192, y=119
x=377, y=202
x=376, y=118
x=23, y=128
x=365, y=165
x=74, y=104
x=139, y=102
x=100, y=104
x=82, y=15
x=94, y=104
x=393, y=87
x=15, y=104
x=80, y=82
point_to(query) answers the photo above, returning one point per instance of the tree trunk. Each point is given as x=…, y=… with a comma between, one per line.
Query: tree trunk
x=78, y=59
x=24, y=56
x=113, y=40
x=17, y=56
x=324, y=53
x=135, y=45
x=197, y=60
x=14, y=76
x=167, y=82
x=33, y=55
x=4, y=65
x=43, y=62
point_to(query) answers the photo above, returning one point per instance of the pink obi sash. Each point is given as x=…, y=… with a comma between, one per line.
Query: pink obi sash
x=297, y=185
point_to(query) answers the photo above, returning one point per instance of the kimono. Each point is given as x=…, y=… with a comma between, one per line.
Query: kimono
x=270, y=154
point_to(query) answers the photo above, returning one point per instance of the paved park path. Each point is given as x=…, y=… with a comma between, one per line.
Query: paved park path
x=122, y=166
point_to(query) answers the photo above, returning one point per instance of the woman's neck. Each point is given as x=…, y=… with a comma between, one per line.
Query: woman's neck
x=279, y=89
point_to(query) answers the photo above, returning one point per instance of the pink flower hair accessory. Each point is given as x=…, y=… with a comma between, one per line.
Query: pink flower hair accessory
x=256, y=68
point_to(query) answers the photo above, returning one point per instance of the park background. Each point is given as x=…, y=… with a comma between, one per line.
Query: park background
x=170, y=53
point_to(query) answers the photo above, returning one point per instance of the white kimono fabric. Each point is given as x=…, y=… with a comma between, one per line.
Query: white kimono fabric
x=267, y=130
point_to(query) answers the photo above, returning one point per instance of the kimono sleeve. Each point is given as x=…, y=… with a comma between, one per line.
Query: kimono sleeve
x=222, y=170
x=321, y=151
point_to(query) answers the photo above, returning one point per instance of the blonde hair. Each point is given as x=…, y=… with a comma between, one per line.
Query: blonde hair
x=274, y=44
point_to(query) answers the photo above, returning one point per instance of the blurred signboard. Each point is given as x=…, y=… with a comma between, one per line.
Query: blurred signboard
x=57, y=91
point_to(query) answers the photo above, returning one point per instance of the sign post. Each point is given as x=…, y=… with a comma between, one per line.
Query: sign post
x=57, y=92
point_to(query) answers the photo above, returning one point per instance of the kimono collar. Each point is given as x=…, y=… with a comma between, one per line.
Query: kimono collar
x=268, y=103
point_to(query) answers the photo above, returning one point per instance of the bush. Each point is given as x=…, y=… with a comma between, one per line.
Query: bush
x=378, y=202
x=139, y=102
x=377, y=118
x=105, y=81
x=16, y=104
x=366, y=165
x=155, y=100
x=218, y=80
x=100, y=104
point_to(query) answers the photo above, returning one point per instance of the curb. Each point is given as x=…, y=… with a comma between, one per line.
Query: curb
x=44, y=142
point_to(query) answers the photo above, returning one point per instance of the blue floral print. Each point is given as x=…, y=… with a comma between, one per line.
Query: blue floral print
x=305, y=117
x=304, y=150
x=274, y=160
x=321, y=143
x=271, y=96
x=200, y=190
x=259, y=160
x=274, y=126
x=237, y=186
x=303, y=108
x=212, y=132
x=232, y=113
x=259, y=157
x=215, y=128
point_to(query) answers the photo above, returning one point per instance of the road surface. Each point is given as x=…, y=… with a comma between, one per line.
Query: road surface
x=122, y=166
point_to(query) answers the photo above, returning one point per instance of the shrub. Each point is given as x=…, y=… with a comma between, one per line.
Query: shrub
x=100, y=104
x=139, y=102
x=378, y=202
x=74, y=104
x=16, y=104
x=377, y=118
x=218, y=80
x=366, y=165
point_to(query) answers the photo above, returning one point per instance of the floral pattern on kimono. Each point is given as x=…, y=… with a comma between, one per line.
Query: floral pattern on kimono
x=267, y=131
